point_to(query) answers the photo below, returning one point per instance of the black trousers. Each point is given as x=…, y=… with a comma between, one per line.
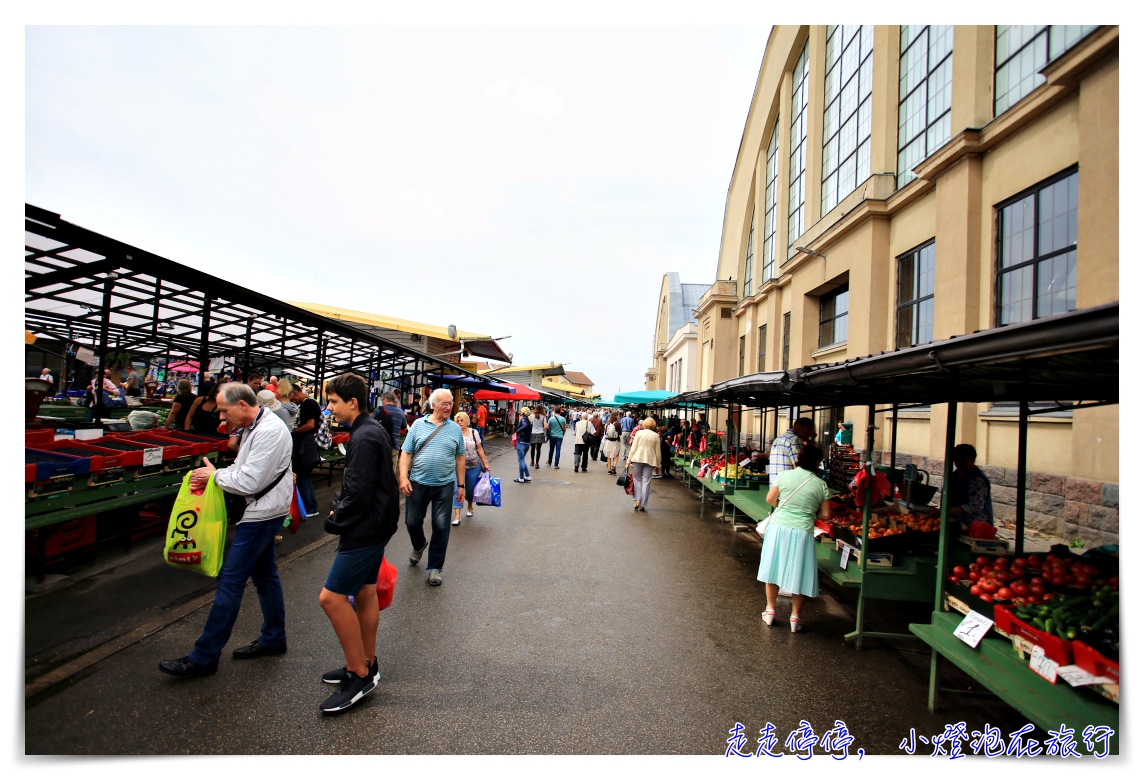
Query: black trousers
x=535, y=451
x=596, y=447
x=580, y=457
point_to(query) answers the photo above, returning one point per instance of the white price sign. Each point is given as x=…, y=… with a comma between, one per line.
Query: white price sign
x=972, y=628
x=1046, y=667
x=1075, y=676
x=845, y=556
x=153, y=456
x=85, y=355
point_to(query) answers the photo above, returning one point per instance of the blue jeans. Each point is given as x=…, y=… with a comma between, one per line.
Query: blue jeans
x=441, y=498
x=554, y=447
x=306, y=488
x=251, y=556
x=471, y=477
x=522, y=448
x=481, y=431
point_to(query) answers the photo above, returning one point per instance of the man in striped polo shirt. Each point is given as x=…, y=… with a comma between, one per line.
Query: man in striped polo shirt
x=432, y=462
x=785, y=448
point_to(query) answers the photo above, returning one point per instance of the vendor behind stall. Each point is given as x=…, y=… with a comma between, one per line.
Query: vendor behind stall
x=969, y=488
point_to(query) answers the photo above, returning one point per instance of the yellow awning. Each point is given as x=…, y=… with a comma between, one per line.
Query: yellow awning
x=382, y=321
x=537, y=367
x=570, y=389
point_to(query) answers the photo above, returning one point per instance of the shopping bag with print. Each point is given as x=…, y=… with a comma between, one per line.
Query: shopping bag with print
x=196, y=532
x=386, y=583
x=297, y=513
x=630, y=485
x=483, y=492
x=494, y=489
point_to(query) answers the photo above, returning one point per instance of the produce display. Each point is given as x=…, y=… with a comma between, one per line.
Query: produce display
x=842, y=465
x=1091, y=617
x=1030, y=580
x=919, y=522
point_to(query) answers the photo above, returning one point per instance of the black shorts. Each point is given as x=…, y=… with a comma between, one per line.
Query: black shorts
x=353, y=569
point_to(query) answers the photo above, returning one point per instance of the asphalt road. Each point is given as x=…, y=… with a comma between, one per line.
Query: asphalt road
x=566, y=624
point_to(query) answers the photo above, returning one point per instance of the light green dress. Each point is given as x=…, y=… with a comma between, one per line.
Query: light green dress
x=787, y=558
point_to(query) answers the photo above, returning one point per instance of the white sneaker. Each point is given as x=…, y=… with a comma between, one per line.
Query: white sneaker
x=468, y=514
x=456, y=521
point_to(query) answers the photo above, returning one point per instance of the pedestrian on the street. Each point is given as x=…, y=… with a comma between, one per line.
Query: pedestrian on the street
x=612, y=435
x=597, y=435
x=260, y=474
x=788, y=560
x=270, y=402
x=306, y=457
x=364, y=517
x=556, y=427
x=665, y=436
x=285, y=388
x=627, y=427
x=475, y=464
x=432, y=461
x=785, y=448
x=181, y=407
x=642, y=459
x=397, y=422
x=539, y=430
x=582, y=438
x=482, y=419
x=523, y=443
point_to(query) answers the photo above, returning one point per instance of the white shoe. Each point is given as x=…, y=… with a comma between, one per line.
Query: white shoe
x=456, y=521
x=769, y=617
x=468, y=514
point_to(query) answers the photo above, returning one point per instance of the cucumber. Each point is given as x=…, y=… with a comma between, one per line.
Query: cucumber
x=1049, y=626
x=1039, y=623
x=1107, y=617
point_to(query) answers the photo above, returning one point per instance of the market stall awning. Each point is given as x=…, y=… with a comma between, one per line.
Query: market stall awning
x=459, y=380
x=642, y=396
x=569, y=389
x=519, y=393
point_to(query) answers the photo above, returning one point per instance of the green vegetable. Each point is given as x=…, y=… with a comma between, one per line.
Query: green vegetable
x=1039, y=623
x=1107, y=617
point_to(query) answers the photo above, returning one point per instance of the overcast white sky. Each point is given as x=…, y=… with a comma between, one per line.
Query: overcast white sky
x=532, y=182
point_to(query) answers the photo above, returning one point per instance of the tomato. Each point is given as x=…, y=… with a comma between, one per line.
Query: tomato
x=974, y=576
x=1020, y=589
x=1114, y=582
x=976, y=591
x=1003, y=561
x=1036, y=581
x=1022, y=562
x=1037, y=590
x=1004, y=576
x=983, y=560
x=960, y=572
x=989, y=587
x=1004, y=594
x=986, y=597
x=1058, y=582
x=1083, y=582
x=973, y=567
x=953, y=579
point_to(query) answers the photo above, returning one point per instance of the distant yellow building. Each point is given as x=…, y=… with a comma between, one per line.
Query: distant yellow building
x=899, y=185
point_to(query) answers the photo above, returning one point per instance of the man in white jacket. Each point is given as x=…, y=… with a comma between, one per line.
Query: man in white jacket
x=261, y=473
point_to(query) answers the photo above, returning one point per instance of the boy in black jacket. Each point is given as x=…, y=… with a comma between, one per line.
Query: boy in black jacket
x=364, y=515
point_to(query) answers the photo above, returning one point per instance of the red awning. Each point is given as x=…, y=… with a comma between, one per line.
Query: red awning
x=523, y=393
x=185, y=366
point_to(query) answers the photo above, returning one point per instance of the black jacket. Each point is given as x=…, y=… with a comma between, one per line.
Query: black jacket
x=365, y=510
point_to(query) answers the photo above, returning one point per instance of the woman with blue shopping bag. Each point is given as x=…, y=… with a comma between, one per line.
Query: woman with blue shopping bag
x=475, y=464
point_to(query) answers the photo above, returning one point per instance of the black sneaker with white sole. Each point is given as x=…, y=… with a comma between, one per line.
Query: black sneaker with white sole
x=335, y=676
x=350, y=691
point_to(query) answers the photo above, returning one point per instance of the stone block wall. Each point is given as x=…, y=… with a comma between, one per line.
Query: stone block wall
x=1063, y=506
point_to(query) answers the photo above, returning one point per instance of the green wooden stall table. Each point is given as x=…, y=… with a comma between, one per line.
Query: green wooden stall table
x=752, y=503
x=995, y=664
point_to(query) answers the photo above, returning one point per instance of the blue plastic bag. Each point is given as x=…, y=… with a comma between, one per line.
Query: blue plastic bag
x=494, y=486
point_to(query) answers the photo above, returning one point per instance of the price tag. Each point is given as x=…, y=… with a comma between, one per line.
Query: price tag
x=1046, y=667
x=1075, y=676
x=972, y=628
x=845, y=556
x=85, y=355
x=153, y=456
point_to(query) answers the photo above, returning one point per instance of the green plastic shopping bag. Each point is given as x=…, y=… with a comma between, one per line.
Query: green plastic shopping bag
x=196, y=532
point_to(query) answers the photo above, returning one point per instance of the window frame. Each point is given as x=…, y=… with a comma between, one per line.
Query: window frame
x=833, y=319
x=797, y=184
x=915, y=302
x=904, y=177
x=835, y=191
x=761, y=365
x=770, y=205
x=1047, y=44
x=749, y=262
x=742, y=352
x=999, y=271
x=786, y=341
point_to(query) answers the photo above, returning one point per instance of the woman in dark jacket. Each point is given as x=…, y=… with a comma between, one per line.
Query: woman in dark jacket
x=203, y=418
x=523, y=443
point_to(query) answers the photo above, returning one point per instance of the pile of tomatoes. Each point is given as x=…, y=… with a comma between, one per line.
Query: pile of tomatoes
x=1029, y=580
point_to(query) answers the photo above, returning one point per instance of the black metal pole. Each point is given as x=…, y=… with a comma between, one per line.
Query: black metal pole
x=942, y=543
x=1022, y=472
x=894, y=439
x=246, y=352
x=204, y=339
x=104, y=326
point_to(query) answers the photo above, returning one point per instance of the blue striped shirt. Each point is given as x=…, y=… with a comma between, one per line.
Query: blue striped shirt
x=784, y=453
x=436, y=464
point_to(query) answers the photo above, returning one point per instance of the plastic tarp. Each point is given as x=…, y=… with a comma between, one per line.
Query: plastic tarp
x=642, y=396
x=523, y=393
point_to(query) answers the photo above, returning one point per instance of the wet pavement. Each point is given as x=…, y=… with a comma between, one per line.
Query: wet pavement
x=566, y=623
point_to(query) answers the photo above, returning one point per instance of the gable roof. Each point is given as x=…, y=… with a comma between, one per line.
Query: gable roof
x=578, y=378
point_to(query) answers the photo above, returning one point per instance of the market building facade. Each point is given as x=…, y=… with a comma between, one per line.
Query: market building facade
x=675, y=309
x=901, y=185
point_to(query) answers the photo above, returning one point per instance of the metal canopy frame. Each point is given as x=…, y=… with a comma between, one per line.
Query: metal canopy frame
x=93, y=290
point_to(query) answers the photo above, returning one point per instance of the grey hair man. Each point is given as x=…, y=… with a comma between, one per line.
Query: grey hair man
x=261, y=474
x=432, y=464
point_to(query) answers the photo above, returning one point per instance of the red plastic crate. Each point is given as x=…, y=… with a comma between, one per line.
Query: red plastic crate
x=1094, y=663
x=69, y=537
x=172, y=448
x=1056, y=649
x=38, y=437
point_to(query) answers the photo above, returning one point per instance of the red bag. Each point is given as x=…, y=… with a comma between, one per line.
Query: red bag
x=630, y=485
x=386, y=582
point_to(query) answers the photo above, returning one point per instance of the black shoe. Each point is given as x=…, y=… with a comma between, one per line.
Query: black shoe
x=337, y=675
x=575, y=469
x=350, y=691
x=256, y=649
x=185, y=667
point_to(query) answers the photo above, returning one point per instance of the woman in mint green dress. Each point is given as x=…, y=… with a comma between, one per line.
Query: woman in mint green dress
x=788, y=560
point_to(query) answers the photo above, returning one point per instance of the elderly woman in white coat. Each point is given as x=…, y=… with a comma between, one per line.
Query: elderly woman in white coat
x=643, y=459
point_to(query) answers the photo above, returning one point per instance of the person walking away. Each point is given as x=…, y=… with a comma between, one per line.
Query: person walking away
x=665, y=451
x=642, y=460
x=398, y=423
x=270, y=402
x=285, y=387
x=132, y=385
x=582, y=438
x=482, y=419
x=364, y=518
x=306, y=457
x=597, y=436
x=432, y=461
x=523, y=443
x=556, y=427
x=475, y=464
x=627, y=427
x=612, y=435
x=204, y=418
x=261, y=474
x=788, y=561
x=539, y=429
x=969, y=489
x=181, y=406
x=785, y=448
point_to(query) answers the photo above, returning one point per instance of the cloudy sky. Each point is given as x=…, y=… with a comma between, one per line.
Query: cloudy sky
x=532, y=182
